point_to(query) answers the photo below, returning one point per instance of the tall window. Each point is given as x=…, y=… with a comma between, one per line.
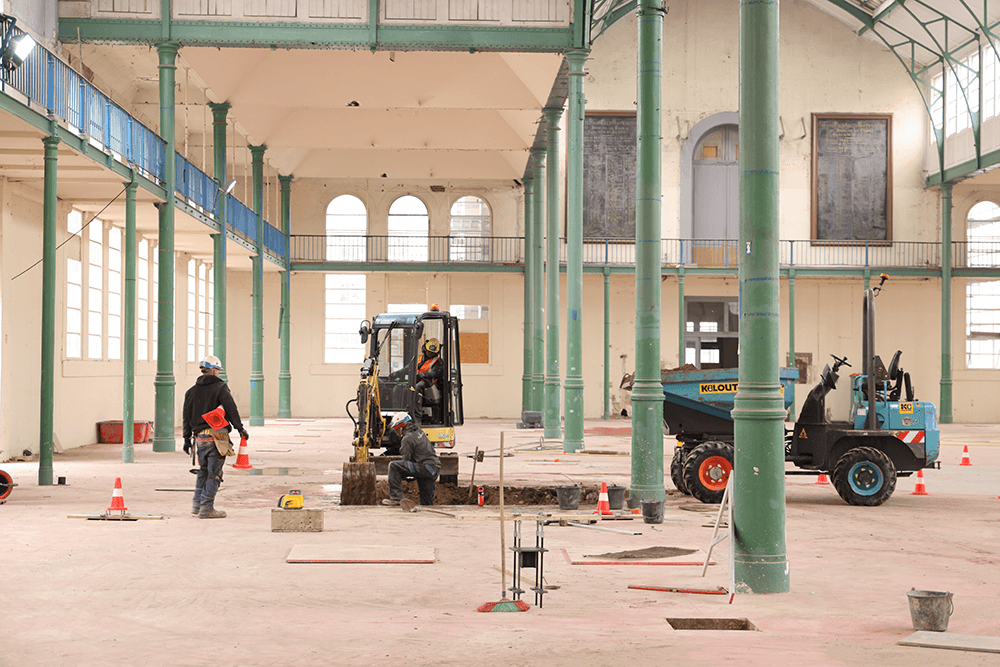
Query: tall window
x=199, y=303
x=470, y=230
x=408, y=225
x=474, y=332
x=713, y=329
x=346, y=227
x=345, y=309
x=156, y=304
x=960, y=83
x=114, y=293
x=982, y=298
x=142, y=302
x=74, y=295
x=95, y=290
x=991, y=81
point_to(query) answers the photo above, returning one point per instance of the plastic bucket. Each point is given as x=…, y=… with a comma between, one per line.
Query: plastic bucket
x=652, y=511
x=930, y=610
x=616, y=497
x=568, y=496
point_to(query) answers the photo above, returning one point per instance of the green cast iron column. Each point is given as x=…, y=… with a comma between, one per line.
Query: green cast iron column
x=219, y=113
x=647, y=392
x=945, y=414
x=163, y=425
x=284, y=326
x=760, y=561
x=50, y=205
x=529, y=270
x=607, y=343
x=552, y=414
x=128, y=336
x=257, y=294
x=573, y=437
x=538, y=284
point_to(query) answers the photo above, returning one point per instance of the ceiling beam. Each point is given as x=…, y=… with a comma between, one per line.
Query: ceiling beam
x=318, y=35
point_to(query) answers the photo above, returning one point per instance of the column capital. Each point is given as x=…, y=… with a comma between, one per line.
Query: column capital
x=552, y=115
x=538, y=156
x=576, y=58
x=219, y=110
x=257, y=151
x=285, y=181
x=168, y=52
x=51, y=142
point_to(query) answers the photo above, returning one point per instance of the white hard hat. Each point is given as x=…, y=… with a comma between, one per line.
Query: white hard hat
x=210, y=362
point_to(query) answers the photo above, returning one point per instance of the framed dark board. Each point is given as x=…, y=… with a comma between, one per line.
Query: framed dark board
x=852, y=177
x=609, y=144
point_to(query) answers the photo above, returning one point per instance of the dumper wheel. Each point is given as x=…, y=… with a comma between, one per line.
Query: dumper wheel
x=6, y=485
x=677, y=471
x=864, y=476
x=707, y=469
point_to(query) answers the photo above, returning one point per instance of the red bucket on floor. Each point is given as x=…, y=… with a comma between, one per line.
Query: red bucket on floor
x=113, y=431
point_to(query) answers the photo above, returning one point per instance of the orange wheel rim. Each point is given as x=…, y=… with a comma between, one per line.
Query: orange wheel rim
x=714, y=472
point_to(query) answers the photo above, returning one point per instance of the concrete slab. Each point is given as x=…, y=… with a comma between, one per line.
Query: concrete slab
x=358, y=553
x=975, y=643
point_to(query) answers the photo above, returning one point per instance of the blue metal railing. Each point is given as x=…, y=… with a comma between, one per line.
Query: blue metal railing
x=47, y=82
x=705, y=253
x=274, y=240
x=242, y=219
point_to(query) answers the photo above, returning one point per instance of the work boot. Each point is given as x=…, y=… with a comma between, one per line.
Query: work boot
x=211, y=514
x=391, y=502
x=196, y=510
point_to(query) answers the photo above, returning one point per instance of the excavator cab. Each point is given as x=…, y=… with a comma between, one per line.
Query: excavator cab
x=396, y=343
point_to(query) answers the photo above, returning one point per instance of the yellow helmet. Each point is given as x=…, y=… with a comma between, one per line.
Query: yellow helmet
x=432, y=345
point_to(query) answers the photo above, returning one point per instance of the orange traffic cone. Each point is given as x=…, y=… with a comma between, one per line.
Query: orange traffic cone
x=822, y=479
x=117, y=500
x=216, y=418
x=603, y=506
x=243, y=458
x=965, y=457
x=920, y=489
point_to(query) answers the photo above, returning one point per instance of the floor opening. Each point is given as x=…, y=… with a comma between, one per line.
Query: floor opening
x=712, y=624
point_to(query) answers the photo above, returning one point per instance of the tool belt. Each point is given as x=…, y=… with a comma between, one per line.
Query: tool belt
x=221, y=438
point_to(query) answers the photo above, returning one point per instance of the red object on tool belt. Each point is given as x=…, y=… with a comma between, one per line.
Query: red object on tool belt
x=216, y=419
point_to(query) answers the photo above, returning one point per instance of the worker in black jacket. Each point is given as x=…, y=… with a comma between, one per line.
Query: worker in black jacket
x=419, y=461
x=208, y=393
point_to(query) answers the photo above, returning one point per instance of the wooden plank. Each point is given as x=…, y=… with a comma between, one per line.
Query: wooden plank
x=977, y=643
x=576, y=557
x=359, y=553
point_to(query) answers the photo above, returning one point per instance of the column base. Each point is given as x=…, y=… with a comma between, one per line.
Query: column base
x=760, y=574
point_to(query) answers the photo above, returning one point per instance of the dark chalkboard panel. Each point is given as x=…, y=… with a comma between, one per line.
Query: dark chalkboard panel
x=852, y=177
x=609, y=176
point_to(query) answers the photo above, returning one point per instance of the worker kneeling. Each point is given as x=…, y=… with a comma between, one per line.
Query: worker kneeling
x=419, y=462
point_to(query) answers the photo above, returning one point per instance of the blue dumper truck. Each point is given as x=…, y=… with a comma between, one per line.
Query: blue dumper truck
x=891, y=436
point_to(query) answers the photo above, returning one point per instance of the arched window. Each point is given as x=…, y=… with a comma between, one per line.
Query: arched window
x=470, y=230
x=982, y=297
x=346, y=227
x=408, y=224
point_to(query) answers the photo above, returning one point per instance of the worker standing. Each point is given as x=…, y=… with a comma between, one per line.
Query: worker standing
x=207, y=394
x=419, y=461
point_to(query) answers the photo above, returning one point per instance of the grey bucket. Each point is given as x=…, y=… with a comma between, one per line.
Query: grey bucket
x=652, y=511
x=930, y=610
x=616, y=497
x=568, y=496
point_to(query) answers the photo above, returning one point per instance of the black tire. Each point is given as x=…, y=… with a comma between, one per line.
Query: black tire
x=677, y=471
x=707, y=469
x=864, y=476
x=6, y=485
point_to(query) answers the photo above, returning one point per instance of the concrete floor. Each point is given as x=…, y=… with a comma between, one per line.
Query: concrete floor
x=182, y=591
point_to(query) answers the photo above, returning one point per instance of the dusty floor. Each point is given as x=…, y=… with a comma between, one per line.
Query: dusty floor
x=182, y=591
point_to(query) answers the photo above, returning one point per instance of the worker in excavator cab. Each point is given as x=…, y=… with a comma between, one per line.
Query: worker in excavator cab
x=430, y=370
